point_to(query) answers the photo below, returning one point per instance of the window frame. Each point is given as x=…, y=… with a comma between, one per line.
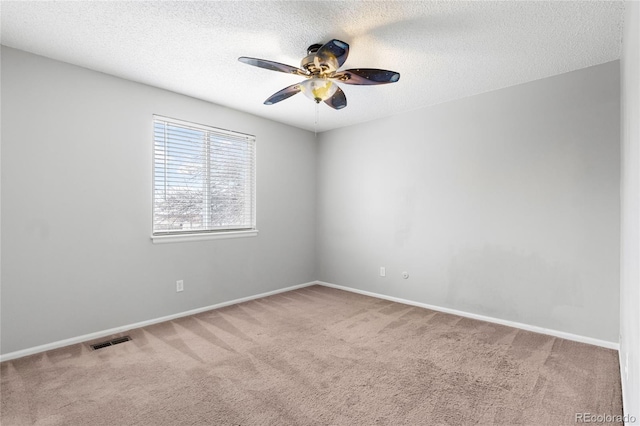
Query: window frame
x=199, y=235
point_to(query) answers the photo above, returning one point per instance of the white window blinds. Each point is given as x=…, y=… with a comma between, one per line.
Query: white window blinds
x=204, y=179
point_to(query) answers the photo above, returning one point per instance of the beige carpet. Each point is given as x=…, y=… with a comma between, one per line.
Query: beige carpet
x=315, y=356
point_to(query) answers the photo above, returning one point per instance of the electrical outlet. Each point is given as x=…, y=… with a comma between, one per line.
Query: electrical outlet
x=383, y=271
x=179, y=286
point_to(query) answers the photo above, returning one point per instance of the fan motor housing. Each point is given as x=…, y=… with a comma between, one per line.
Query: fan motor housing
x=307, y=62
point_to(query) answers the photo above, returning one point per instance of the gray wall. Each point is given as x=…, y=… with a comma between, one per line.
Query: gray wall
x=76, y=207
x=504, y=204
x=630, y=243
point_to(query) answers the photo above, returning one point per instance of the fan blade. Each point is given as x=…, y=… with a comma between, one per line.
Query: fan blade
x=283, y=94
x=273, y=66
x=334, y=49
x=338, y=100
x=366, y=76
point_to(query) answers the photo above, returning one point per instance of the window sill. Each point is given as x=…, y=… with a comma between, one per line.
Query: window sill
x=183, y=238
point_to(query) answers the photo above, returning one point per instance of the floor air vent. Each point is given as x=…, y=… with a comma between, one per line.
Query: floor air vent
x=115, y=341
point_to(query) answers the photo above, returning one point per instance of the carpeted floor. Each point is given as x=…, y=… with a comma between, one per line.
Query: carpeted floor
x=315, y=356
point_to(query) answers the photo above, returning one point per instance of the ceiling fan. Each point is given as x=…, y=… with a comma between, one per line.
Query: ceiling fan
x=320, y=67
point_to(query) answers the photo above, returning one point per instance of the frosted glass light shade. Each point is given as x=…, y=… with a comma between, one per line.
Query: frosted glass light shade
x=318, y=89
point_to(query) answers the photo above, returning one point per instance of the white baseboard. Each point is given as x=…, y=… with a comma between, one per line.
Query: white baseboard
x=536, y=329
x=121, y=329
x=622, y=380
x=629, y=417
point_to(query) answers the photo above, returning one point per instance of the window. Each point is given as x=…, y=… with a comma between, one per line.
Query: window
x=203, y=182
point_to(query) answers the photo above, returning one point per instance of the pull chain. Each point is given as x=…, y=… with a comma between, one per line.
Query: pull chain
x=315, y=124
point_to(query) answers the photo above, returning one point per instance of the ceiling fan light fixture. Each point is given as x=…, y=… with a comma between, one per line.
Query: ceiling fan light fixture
x=320, y=68
x=318, y=89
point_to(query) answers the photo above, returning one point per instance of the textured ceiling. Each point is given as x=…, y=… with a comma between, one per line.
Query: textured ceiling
x=443, y=50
